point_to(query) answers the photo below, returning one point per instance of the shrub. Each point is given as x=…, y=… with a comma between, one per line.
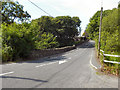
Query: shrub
x=18, y=38
x=7, y=53
x=46, y=41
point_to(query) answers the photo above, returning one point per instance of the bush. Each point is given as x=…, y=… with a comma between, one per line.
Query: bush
x=110, y=35
x=7, y=53
x=46, y=41
x=18, y=38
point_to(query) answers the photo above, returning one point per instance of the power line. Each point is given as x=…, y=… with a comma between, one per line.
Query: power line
x=40, y=8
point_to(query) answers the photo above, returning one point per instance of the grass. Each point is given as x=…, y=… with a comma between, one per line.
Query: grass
x=109, y=68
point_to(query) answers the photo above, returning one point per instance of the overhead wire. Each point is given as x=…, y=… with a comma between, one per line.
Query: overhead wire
x=40, y=8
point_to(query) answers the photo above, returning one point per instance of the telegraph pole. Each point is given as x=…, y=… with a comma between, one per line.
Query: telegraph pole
x=100, y=32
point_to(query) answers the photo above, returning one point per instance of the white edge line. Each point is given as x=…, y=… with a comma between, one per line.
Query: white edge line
x=91, y=62
x=6, y=73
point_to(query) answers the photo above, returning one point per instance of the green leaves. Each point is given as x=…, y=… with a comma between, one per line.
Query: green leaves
x=18, y=38
x=46, y=41
x=93, y=27
x=110, y=34
x=13, y=11
x=62, y=27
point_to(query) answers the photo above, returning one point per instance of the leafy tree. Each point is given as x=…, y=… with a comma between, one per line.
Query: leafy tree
x=17, y=41
x=110, y=34
x=46, y=41
x=12, y=11
x=64, y=28
x=93, y=27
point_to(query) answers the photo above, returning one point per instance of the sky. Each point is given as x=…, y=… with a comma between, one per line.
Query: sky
x=84, y=9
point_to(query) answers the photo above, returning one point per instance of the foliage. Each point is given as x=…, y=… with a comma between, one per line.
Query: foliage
x=20, y=39
x=12, y=11
x=46, y=41
x=93, y=27
x=110, y=34
x=7, y=53
x=110, y=42
x=64, y=28
x=67, y=26
x=17, y=41
x=44, y=38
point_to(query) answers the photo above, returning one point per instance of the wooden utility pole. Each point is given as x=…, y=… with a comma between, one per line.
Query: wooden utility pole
x=100, y=32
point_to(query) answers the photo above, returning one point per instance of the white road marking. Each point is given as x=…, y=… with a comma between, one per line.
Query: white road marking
x=52, y=63
x=46, y=64
x=41, y=65
x=91, y=61
x=60, y=62
x=63, y=61
x=6, y=73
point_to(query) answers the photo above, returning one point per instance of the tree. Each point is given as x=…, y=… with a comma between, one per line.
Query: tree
x=12, y=11
x=110, y=33
x=17, y=41
x=46, y=41
x=64, y=28
x=93, y=27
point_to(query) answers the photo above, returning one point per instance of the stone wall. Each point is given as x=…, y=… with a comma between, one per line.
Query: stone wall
x=48, y=52
x=37, y=53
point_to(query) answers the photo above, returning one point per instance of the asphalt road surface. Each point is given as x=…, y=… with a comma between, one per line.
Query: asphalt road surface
x=71, y=69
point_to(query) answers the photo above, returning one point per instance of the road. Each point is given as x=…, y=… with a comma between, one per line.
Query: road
x=67, y=70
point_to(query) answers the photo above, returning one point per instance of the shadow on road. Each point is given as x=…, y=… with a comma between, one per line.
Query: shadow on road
x=90, y=44
x=53, y=58
x=12, y=77
x=59, y=57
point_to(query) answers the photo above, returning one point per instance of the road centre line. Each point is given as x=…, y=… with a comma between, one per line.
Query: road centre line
x=51, y=63
x=46, y=64
x=6, y=73
x=57, y=61
x=63, y=61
